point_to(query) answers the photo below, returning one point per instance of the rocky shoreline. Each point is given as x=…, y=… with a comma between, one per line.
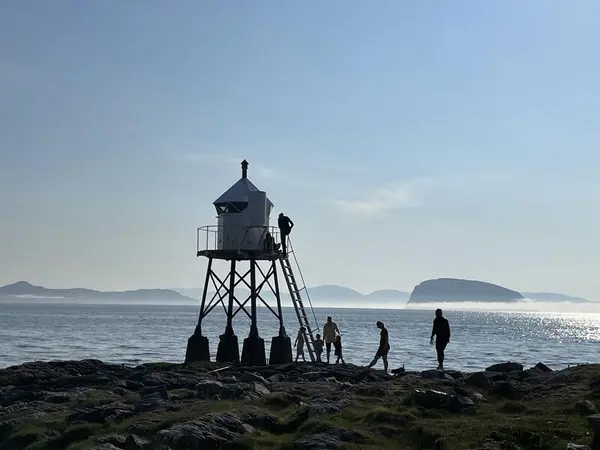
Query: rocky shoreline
x=89, y=404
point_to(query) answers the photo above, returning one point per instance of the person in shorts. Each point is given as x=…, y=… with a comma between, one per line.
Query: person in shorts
x=384, y=347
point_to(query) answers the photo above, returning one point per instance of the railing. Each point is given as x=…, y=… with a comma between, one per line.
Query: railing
x=207, y=238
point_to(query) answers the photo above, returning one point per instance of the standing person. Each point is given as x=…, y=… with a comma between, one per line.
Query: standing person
x=384, y=347
x=319, y=347
x=299, y=344
x=330, y=331
x=338, y=349
x=441, y=329
x=285, y=228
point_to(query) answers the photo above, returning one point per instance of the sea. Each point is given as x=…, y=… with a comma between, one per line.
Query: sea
x=133, y=334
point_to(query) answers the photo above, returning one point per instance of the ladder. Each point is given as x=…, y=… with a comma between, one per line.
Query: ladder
x=301, y=314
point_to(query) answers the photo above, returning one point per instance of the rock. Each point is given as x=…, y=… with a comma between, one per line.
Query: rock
x=479, y=380
x=370, y=389
x=313, y=376
x=265, y=422
x=105, y=446
x=430, y=398
x=542, y=367
x=277, y=378
x=454, y=374
x=505, y=367
x=259, y=389
x=323, y=408
x=459, y=390
x=282, y=399
x=571, y=446
x=398, y=371
x=478, y=398
x=134, y=442
x=150, y=402
x=101, y=413
x=432, y=374
x=211, y=431
x=229, y=380
x=160, y=391
x=133, y=385
x=391, y=418
x=491, y=444
x=236, y=391
x=11, y=396
x=207, y=389
x=462, y=404
x=250, y=377
x=505, y=389
x=585, y=407
x=117, y=440
x=594, y=421
x=331, y=438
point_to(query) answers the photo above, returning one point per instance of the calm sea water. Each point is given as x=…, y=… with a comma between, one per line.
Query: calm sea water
x=136, y=334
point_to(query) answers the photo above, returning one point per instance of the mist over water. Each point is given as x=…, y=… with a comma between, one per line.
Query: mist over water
x=135, y=334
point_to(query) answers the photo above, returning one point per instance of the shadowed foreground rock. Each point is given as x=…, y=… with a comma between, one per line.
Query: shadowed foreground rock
x=78, y=405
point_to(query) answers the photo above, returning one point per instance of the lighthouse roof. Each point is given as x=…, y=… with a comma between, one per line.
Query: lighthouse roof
x=239, y=191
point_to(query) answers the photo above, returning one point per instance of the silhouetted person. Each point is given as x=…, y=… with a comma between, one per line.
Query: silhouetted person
x=441, y=329
x=318, y=344
x=330, y=331
x=384, y=347
x=337, y=345
x=285, y=228
x=299, y=344
x=270, y=245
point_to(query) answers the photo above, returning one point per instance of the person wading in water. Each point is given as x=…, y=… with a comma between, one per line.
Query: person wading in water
x=384, y=347
x=441, y=329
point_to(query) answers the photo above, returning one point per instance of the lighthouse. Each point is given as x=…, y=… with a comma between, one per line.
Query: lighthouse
x=248, y=248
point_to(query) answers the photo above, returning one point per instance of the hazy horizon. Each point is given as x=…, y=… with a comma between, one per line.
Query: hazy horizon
x=525, y=306
x=406, y=140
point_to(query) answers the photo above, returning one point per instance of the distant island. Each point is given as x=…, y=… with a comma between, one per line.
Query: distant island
x=457, y=290
x=25, y=290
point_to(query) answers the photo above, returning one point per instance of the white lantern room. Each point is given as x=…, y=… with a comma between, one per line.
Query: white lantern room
x=243, y=215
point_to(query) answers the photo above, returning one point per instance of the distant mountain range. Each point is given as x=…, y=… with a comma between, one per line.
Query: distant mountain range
x=552, y=297
x=328, y=292
x=23, y=289
x=440, y=290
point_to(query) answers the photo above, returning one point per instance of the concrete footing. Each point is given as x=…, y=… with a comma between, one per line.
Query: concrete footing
x=253, y=351
x=281, y=350
x=228, y=350
x=197, y=349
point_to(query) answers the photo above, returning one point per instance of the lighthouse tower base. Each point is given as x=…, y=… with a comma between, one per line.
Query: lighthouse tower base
x=228, y=350
x=253, y=351
x=281, y=350
x=197, y=349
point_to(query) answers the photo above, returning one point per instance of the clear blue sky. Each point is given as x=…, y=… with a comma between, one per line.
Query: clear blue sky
x=406, y=139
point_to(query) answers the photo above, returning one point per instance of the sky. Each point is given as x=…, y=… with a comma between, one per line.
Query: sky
x=407, y=140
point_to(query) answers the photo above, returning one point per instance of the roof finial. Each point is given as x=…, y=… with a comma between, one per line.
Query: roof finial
x=244, y=169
